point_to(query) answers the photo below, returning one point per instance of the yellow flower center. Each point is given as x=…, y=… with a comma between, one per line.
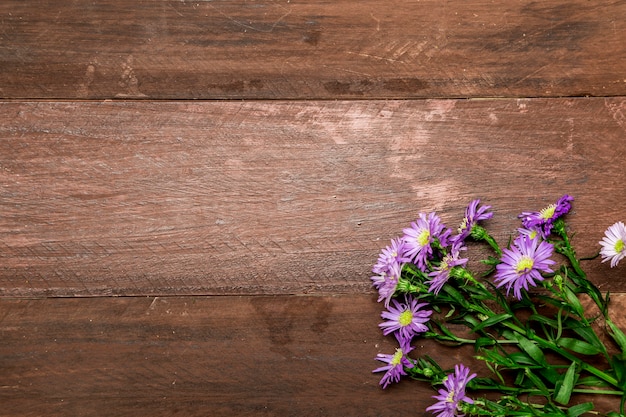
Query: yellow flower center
x=423, y=237
x=397, y=357
x=450, y=397
x=524, y=265
x=444, y=266
x=619, y=246
x=548, y=212
x=463, y=225
x=405, y=318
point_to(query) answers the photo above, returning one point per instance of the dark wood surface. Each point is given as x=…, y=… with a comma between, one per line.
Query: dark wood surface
x=165, y=255
x=198, y=356
x=311, y=49
x=306, y=355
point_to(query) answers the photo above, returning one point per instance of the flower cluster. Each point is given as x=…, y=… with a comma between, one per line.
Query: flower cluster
x=423, y=274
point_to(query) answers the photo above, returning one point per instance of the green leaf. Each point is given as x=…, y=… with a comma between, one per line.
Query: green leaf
x=521, y=359
x=618, y=363
x=451, y=312
x=578, y=346
x=471, y=321
x=573, y=301
x=550, y=374
x=544, y=320
x=565, y=390
x=491, y=321
x=483, y=341
x=617, y=335
x=579, y=409
x=593, y=381
x=444, y=329
x=581, y=329
x=532, y=350
x=537, y=382
x=455, y=295
x=493, y=356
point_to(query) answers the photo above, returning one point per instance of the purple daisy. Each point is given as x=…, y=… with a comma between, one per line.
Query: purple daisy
x=441, y=274
x=543, y=220
x=421, y=235
x=405, y=319
x=392, y=254
x=450, y=398
x=614, y=244
x=522, y=264
x=473, y=214
x=395, y=365
x=387, y=282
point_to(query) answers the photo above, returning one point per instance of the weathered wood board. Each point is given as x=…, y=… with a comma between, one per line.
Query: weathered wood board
x=295, y=49
x=166, y=198
x=198, y=356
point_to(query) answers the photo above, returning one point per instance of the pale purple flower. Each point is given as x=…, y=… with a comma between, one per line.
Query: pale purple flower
x=420, y=236
x=523, y=263
x=614, y=244
x=392, y=254
x=473, y=214
x=406, y=319
x=387, y=282
x=543, y=220
x=450, y=398
x=395, y=365
x=441, y=273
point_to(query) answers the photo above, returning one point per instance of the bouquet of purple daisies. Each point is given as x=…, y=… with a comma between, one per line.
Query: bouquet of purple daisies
x=523, y=315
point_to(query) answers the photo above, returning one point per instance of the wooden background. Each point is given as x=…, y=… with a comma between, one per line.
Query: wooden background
x=192, y=193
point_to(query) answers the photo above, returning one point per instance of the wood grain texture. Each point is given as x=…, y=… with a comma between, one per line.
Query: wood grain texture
x=218, y=356
x=275, y=208
x=311, y=49
x=173, y=198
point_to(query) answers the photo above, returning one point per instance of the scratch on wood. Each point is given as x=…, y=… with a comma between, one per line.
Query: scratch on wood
x=377, y=22
x=175, y=10
x=151, y=307
x=616, y=112
x=381, y=58
x=243, y=25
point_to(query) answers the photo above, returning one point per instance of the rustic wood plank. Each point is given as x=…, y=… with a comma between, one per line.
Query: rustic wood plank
x=311, y=49
x=196, y=356
x=159, y=198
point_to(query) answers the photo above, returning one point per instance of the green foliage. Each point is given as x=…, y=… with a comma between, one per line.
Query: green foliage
x=538, y=348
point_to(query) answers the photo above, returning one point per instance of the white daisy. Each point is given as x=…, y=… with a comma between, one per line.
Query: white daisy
x=614, y=244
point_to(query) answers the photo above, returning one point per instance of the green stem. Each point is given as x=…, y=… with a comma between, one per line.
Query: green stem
x=505, y=388
x=480, y=233
x=461, y=340
x=568, y=250
x=565, y=354
x=597, y=391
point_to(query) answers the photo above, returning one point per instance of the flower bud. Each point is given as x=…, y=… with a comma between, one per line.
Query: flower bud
x=479, y=233
x=558, y=281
